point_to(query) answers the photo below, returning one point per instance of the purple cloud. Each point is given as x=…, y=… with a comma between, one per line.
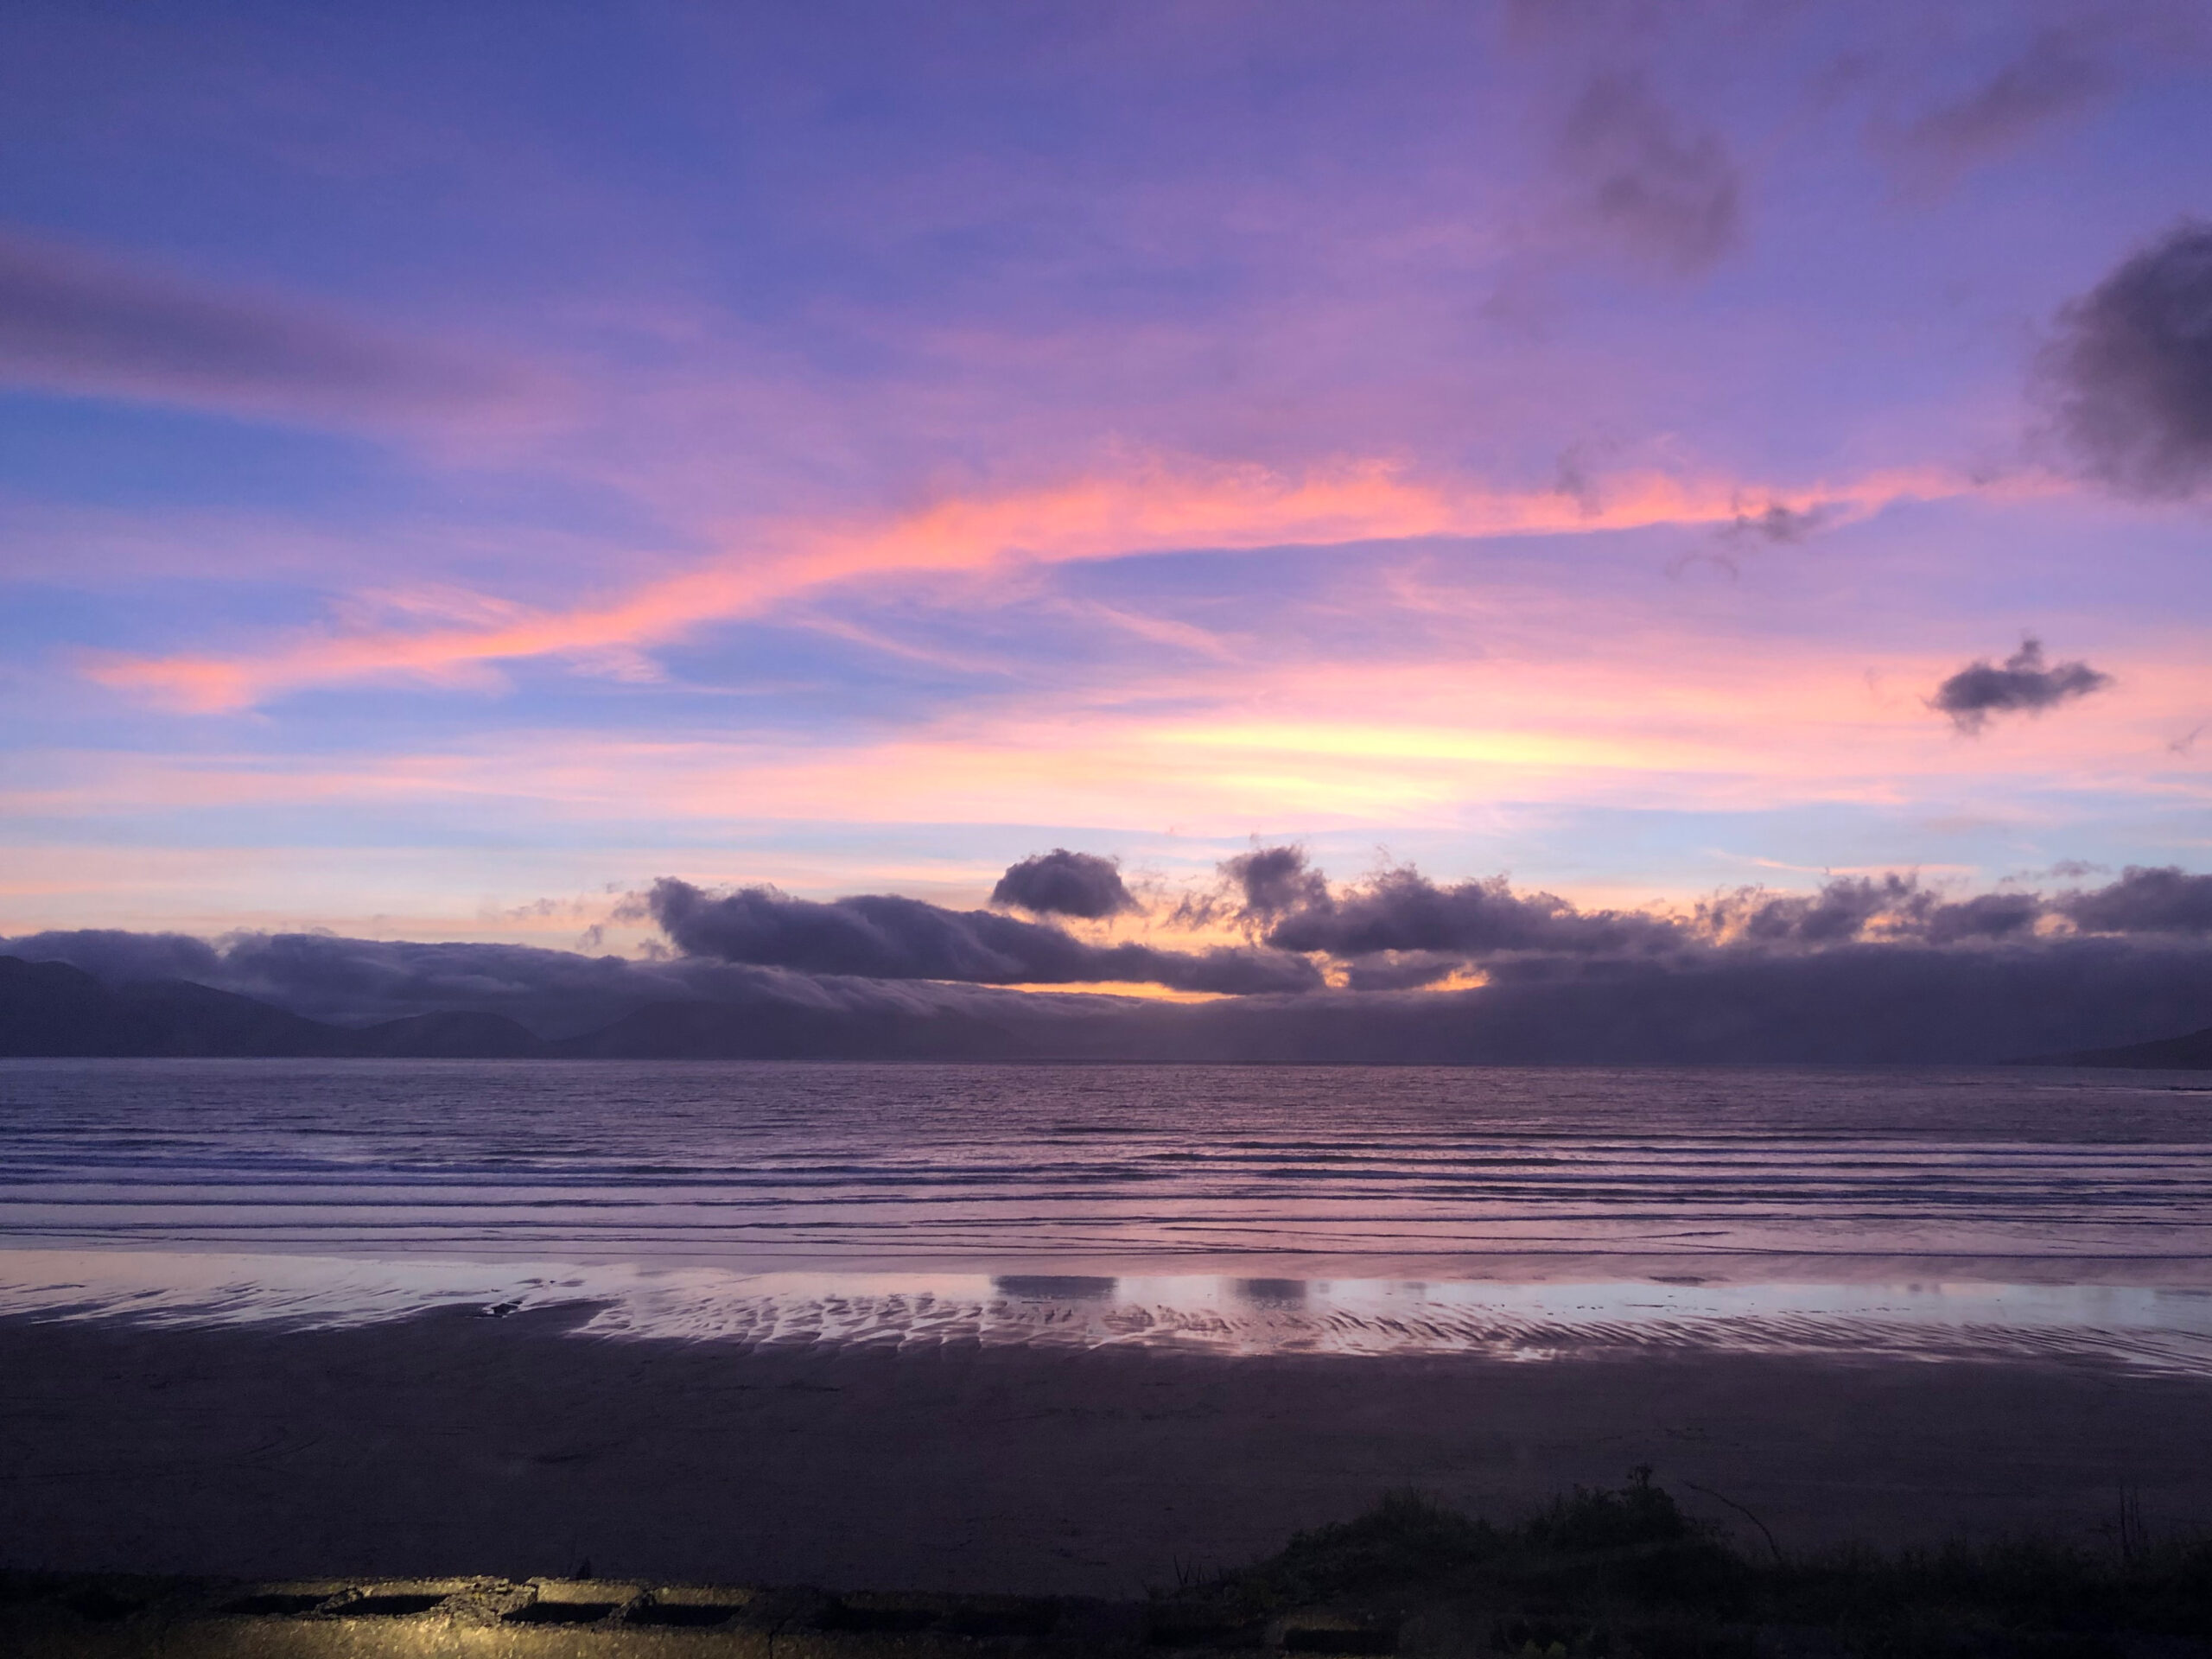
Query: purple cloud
x=2024, y=683
x=84, y=325
x=2166, y=900
x=2053, y=78
x=2129, y=375
x=883, y=936
x=1062, y=883
x=1659, y=188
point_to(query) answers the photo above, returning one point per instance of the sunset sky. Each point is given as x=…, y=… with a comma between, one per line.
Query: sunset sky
x=460, y=465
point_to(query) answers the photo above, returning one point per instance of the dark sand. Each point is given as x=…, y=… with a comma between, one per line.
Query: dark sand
x=453, y=1444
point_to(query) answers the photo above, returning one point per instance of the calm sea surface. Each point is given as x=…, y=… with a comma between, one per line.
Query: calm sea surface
x=1524, y=1212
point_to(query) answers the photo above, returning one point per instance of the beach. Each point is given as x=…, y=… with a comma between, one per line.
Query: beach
x=451, y=1442
x=1021, y=1329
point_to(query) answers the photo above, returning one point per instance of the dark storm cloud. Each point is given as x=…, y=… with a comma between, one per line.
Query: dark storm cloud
x=1409, y=970
x=1845, y=910
x=1270, y=880
x=1838, y=913
x=883, y=936
x=1402, y=910
x=2128, y=376
x=1987, y=915
x=1648, y=180
x=1062, y=883
x=72, y=322
x=2024, y=683
x=2056, y=76
x=2164, y=900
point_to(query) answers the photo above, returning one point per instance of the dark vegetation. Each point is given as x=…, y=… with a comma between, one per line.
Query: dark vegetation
x=1626, y=1575
x=1604, y=1574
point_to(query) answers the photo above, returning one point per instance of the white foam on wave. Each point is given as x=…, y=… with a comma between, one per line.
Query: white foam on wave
x=2163, y=1329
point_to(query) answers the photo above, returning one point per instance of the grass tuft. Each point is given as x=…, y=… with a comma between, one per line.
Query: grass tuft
x=1624, y=1573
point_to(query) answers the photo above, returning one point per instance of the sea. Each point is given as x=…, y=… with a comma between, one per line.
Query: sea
x=1524, y=1215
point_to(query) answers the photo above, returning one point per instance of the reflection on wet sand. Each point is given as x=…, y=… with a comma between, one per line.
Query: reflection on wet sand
x=2167, y=1329
x=1053, y=1287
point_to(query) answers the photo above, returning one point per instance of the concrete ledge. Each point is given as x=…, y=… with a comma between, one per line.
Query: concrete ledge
x=111, y=1617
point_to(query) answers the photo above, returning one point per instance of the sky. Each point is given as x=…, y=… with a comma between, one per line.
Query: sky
x=460, y=467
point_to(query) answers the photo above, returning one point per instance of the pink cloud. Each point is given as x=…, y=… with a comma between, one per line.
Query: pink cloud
x=1150, y=509
x=1664, y=717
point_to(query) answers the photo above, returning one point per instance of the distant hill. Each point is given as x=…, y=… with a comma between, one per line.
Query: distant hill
x=51, y=1009
x=1811, y=1010
x=2190, y=1053
x=449, y=1034
x=186, y=1019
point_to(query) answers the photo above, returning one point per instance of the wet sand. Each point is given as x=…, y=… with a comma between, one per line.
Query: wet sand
x=457, y=1444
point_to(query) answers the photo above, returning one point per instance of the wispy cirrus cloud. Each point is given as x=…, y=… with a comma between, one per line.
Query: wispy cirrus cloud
x=2057, y=75
x=87, y=324
x=1663, y=718
x=1147, y=510
x=1648, y=179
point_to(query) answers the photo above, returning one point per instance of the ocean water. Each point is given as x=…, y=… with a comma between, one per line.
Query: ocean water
x=1528, y=1214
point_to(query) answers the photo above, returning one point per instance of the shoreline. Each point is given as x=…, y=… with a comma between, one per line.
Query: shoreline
x=448, y=1444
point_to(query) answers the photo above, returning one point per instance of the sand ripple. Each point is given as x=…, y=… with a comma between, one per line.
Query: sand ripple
x=2166, y=1330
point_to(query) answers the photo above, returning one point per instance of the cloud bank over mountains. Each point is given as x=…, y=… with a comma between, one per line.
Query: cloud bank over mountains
x=881, y=935
x=1868, y=968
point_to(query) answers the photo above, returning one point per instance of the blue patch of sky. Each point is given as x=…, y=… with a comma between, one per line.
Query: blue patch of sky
x=152, y=613
x=120, y=456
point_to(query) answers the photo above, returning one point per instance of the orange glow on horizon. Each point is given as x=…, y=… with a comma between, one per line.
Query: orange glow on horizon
x=1136, y=990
